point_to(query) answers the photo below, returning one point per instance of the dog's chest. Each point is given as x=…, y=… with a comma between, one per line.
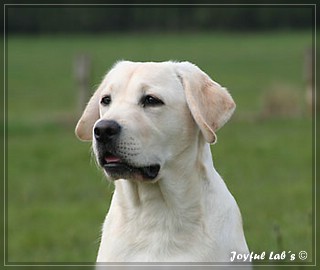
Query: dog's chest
x=152, y=234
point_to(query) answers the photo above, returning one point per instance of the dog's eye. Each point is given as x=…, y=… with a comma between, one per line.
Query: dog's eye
x=151, y=101
x=106, y=100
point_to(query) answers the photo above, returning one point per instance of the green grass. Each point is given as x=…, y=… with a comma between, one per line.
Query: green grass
x=57, y=198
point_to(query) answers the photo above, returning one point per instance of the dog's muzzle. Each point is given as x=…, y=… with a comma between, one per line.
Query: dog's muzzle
x=106, y=134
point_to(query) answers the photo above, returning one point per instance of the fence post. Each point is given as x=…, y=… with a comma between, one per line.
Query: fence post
x=309, y=77
x=82, y=74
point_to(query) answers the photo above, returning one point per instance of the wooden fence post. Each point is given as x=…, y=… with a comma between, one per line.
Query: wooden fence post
x=309, y=77
x=82, y=74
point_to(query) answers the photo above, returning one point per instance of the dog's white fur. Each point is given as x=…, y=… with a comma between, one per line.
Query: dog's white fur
x=186, y=214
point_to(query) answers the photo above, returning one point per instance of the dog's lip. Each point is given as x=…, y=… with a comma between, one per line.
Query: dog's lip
x=116, y=166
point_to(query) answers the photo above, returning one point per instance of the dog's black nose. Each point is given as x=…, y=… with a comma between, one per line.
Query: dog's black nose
x=106, y=130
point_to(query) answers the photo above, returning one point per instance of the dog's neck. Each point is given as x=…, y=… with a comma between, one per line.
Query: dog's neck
x=172, y=193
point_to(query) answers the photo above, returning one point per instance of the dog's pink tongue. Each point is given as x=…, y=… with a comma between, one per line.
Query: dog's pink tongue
x=112, y=159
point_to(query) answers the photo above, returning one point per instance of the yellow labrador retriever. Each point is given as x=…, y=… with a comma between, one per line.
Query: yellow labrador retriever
x=151, y=125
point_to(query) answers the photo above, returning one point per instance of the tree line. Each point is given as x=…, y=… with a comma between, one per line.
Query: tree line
x=95, y=19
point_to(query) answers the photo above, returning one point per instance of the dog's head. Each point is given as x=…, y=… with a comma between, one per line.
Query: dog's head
x=144, y=115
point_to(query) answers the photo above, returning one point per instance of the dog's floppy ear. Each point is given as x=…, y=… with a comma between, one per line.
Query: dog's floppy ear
x=89, y=116
x=210, y=104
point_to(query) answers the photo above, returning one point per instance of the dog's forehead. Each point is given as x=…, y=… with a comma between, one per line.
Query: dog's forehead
x=135, y=75
x=143, y=67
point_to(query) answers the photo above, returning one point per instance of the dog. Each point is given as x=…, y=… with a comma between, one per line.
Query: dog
x=151, y=125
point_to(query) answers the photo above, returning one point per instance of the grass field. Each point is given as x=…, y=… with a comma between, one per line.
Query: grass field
x=57, y=198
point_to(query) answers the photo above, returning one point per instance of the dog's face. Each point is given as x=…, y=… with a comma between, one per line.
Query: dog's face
x=144, y=121
x=144, y=115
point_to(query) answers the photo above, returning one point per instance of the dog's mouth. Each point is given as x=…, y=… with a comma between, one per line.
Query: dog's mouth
x=117, y=168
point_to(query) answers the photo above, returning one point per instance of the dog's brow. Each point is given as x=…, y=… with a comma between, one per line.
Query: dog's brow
x=147, y=89
x=144, y=87
x=109, y=88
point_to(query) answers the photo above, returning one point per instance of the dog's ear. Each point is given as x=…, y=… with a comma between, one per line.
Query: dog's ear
x=89, y=116
x=210, y=104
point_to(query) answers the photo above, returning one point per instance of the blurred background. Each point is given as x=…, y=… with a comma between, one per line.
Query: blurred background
x=56, y=56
